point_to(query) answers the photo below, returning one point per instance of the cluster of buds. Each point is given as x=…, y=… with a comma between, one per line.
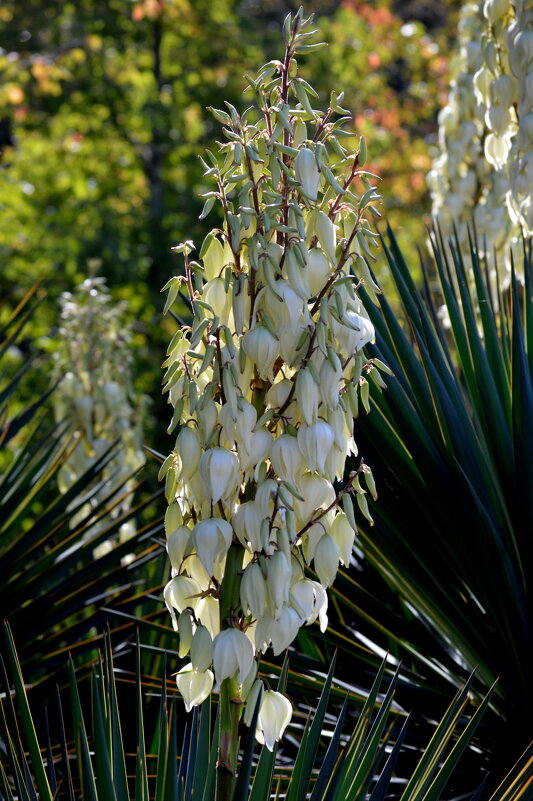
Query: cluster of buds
x=95, y=397
x=485, y=168
x=265, y=385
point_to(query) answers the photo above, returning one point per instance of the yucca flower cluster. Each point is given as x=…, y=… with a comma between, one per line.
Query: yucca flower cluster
x=95, y=397
x=485, y=167
x=265, y=384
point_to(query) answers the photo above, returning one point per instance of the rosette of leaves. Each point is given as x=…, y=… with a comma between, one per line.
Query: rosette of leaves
x=266, y=381
x=95, y=397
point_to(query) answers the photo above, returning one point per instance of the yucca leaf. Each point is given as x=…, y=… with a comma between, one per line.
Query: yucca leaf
x=26, y=719
x=326, y=774
x=306, y=756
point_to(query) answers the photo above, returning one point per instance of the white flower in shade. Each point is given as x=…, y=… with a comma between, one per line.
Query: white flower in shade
x=286, y=458
x=278, y=393
x=283, y=305
x=264, y=498
x=307, y=395
x=262, y=348
x=317, y=494
x=189, y=450
x=274, y=716
x=215, y=294
x=219, y=468
x=344, y=536
x=326, y=560
x=194, y=686
x=318, y=271
x=255, y=450
x=279, y=574
x=315, y=443
x=321, y=605
x=254, y=590
x=185, y=632
x=232, y=654
x=180, y=593
x=297, y=276
x=284, y=629
x=208, y=614
x=201, y=649
x=302, y=599
x=311, y=539
x=246, y=523
x=212, y=539
x=173, y=518
x=307, y=174
x=207, y=414
x=330, y=384
x=177, y=543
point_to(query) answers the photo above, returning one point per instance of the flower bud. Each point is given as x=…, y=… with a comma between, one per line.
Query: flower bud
x=326, y=233
x=307, y=173
x=232, y=654
x=194, y=686
x=212, y=539
x=274, y=716
x=201, y=649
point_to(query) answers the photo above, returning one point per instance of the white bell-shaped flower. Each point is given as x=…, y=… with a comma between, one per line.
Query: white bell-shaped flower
x=326, y=560
x=284, y=629
x=307, y=395
x=177, y=545
x=233, y=655
x=317, y=494
x=208, y=614
x=194, y=686
x=286, y=458
x=344, y=536
x=330, y=383
x=246, y=523
x=201, y=649
x=189, y=450
x=262, y=348
x=253, y=590
x=179, y=593
x=326, y=233
x=212, y=539
x=315, y=443
x=318, y=271
x=274, y=716
x=219, y=469
x=279, y=574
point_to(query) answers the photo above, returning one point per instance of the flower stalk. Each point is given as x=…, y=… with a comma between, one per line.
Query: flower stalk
x=264, y=387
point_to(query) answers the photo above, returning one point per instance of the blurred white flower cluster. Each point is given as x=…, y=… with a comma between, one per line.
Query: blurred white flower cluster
x=485, y=166
x=95, y=398
x=265, y=385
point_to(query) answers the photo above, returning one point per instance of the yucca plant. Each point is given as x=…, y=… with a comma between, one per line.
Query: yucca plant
x=88, y=755
x=52, y=589
x=450, y=440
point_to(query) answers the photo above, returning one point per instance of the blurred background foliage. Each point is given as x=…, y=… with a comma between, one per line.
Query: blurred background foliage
x=102, y=119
